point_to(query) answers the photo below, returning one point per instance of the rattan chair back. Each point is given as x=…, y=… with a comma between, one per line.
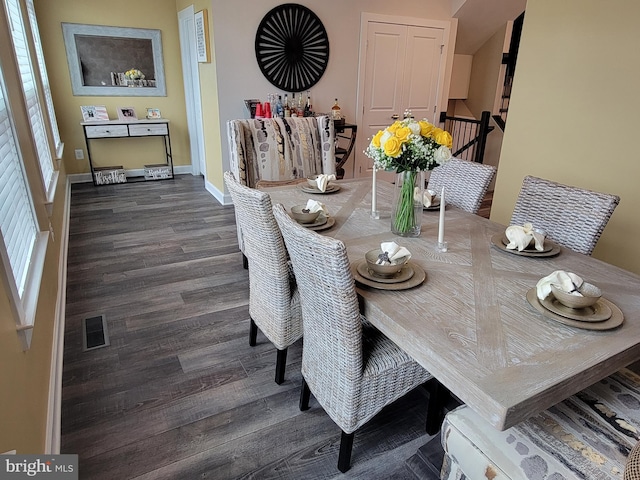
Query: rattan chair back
x=465, y=183
x=571, y=216
x=273, y=298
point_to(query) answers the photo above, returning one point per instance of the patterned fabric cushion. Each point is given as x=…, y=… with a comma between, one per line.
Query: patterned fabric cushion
x=588, y=436
x=281, y=148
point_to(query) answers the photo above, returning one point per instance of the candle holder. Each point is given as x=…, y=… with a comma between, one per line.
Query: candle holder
x=375, y=214
x=441, y=247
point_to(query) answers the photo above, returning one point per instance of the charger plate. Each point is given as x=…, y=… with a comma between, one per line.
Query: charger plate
x=418, y=277
x=598, y=312
x=497, y=241
x=319, y=221
x=324, y=226
x=331, y=188
x=614, y=321
x=402, y=276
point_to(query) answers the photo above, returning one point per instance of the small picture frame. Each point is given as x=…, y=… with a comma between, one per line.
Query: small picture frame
x=153, y=113
x=94, y=113
x=126, y=114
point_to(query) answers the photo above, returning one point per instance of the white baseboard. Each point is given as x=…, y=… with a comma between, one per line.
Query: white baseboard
x=217, y=194
x=54, y=404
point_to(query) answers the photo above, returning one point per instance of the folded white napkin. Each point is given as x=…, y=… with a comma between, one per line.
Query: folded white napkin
x=323, y=180
x=567, y=281
x=313, y=206
x=428, y=198
x=392, y=253
x=520, y=237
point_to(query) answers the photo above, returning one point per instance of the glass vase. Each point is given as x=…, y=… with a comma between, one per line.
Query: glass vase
x=406, y=209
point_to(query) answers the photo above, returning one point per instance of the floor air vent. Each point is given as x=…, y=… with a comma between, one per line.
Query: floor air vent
x=94, y=333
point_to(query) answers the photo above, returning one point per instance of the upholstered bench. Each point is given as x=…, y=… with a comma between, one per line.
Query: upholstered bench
x=588, y=436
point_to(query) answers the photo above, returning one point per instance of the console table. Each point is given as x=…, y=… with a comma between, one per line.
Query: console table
x=124, y=129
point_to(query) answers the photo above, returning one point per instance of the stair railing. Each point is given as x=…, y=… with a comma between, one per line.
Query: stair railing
x=469, y=135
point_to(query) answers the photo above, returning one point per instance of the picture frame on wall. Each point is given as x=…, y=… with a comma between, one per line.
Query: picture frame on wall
x=153, y=113
x=126, y=114
x=203, y=51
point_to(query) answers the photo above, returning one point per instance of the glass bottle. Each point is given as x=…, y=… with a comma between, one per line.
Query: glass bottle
x=336, y=111
x=279, y=107
x=308, y=112
x=287, y=111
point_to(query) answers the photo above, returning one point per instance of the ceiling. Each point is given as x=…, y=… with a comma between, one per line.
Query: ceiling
x=478, y=20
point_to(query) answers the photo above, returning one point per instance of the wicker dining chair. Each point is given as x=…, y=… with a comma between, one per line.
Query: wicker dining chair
x=465, y=183
x=351, y=368
x=274, y=302
x=571, y=216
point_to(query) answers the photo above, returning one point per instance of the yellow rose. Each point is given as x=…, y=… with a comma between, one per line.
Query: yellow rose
x=403, y=133
x=394, y=126
x=392, y=147
x=444, y=138
x=375, y=141
x=425, y=128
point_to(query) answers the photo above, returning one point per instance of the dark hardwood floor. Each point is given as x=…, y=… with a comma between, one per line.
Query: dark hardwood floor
x=179, y=393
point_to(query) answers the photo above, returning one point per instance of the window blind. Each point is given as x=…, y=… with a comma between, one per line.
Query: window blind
x=17, y=216
x=31, y=98
x=46, y=87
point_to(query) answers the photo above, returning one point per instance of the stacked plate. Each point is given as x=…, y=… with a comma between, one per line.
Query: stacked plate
x=550, y=249
x=603, y=315
x=410, y=276
x=323, y=222
x=307, y=188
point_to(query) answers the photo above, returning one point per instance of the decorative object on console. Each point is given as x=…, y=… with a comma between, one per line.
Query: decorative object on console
x=94, y=113
x=292, y=47
x=126, y=114
x=153, y=113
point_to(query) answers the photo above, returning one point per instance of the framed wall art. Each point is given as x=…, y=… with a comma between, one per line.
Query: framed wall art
x=203, y=51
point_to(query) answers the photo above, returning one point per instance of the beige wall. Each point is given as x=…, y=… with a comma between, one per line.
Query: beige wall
x=131, y=153
x=573, y=116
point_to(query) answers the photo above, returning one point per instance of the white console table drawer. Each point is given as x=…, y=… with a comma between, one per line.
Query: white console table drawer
x=144, y=130
x=102, y=131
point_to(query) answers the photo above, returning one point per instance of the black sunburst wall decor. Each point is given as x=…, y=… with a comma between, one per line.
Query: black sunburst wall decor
x=292, y=47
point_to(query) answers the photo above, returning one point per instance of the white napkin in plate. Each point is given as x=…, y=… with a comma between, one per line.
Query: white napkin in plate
x=428, y=197
x=567, y=281
x=323, y=180
x=520, y=237
x=313, y=206
x=394, y=252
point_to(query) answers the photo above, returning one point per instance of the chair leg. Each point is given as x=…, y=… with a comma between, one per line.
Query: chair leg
x=438, y=397
x=253, y=332
x=281, y=363
x=245, y=262
x=305, y=393
x=346, y=445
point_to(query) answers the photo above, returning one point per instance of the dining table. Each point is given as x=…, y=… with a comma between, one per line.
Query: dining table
x=473, y=322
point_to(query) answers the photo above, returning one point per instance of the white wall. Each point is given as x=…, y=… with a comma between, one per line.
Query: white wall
x=239, y=76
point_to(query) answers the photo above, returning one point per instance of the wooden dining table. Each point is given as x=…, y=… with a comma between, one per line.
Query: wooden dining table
x=469, y=323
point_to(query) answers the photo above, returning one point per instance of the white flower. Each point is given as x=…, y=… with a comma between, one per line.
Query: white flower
x=385, y=136
x=415, y=128
x=442, y=154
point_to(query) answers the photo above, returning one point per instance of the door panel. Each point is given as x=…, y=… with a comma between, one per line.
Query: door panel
x=402, y=68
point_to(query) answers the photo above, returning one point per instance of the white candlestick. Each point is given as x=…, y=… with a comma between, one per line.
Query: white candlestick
x=441, y=224
x=374, y=207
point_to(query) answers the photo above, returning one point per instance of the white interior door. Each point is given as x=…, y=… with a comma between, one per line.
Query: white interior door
x=402, y=69
x=191, y=78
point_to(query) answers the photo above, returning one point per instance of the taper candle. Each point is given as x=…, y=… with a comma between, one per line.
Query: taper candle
x=374, y=207
x=441, y=224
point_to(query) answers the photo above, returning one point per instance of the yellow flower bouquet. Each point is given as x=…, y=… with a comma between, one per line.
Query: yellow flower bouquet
x=134, y=74
x=409, y=146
